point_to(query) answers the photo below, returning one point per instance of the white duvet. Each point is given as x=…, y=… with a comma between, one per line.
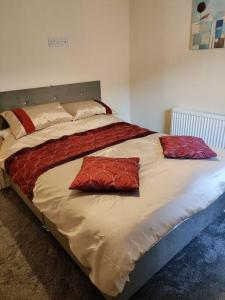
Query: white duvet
x=108, y=233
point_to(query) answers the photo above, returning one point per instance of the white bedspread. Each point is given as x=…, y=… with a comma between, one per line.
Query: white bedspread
x=108, y=233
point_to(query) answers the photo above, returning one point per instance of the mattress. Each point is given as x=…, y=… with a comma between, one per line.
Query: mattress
x=109, y=232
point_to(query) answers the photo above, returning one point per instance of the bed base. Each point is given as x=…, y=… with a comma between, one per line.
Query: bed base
x=157, y=257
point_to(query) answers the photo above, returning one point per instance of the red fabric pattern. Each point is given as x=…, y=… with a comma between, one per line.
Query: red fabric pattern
x=25, y=166
x=107, y=108
x=108, y=174
x=24, y=119
x=185, y=147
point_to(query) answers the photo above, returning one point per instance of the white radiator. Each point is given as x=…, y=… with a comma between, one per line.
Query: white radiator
x=210, y=127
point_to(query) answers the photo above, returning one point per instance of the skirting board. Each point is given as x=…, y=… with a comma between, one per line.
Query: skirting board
x=158, y=256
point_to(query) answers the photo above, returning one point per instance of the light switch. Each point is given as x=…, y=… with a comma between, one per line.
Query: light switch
x=58, y=42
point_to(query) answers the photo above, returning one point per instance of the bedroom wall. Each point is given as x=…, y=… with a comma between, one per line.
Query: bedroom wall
x=98, y=33
x=164, y=72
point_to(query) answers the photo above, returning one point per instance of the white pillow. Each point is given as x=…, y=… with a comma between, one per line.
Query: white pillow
x=86, y=108
x=31, y=118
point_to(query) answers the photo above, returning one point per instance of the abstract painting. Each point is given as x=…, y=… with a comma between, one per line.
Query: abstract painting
x=208, y=24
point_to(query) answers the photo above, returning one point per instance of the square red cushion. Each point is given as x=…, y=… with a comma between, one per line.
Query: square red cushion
x=107, y=174
x=185, y=147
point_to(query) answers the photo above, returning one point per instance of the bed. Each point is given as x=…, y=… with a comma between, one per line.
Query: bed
x=177, y=199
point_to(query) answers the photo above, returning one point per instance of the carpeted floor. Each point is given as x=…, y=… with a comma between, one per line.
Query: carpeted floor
x=34, y=266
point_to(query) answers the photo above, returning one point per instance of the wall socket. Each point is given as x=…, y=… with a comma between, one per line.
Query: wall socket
x=58, y=42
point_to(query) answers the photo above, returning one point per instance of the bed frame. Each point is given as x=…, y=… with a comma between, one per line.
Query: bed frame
x=159, y=255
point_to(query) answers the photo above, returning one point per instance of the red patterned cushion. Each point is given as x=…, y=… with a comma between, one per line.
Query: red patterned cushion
x=185, y=147
x=107, y=174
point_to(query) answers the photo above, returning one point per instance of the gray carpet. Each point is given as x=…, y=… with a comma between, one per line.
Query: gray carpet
x=34, y=266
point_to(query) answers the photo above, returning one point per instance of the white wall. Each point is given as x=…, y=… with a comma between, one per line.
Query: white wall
x=98, y=33
x=164, y=72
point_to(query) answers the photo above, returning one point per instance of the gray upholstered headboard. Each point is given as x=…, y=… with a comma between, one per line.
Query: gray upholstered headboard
x=62, y=93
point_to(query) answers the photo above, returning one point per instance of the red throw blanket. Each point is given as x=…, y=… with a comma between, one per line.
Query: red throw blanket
x=25, y=166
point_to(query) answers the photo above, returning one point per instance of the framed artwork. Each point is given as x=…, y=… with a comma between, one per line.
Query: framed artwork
x=208, y=24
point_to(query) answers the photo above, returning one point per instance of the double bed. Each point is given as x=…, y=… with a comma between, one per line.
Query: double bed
x=120, y=240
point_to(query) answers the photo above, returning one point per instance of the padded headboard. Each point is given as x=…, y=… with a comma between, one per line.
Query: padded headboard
x=62, y=93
